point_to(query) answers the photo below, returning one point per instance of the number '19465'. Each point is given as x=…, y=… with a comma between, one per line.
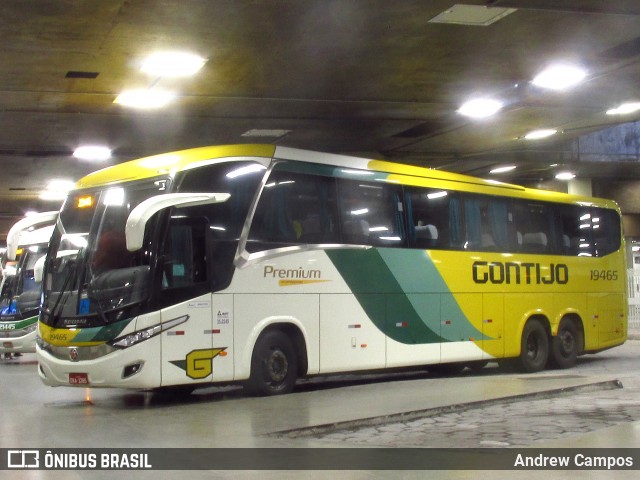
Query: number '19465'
x=610, y=275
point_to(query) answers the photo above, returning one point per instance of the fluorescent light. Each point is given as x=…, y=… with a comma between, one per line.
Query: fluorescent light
x=538, y=134
x=625, y=108
x=92, y=152
x=565, y=176
x=480, y=108
x=61, y=185
x=508, y=168
x=434, y=195
x=172, y=64
x=114, y=197
x=57, y=190
x=245, y=170
x=265, y=132
x=145, y=99
x=559, y=77
x=361, y=211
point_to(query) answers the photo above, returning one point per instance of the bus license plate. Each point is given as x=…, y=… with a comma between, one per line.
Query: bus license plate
x=78, y=379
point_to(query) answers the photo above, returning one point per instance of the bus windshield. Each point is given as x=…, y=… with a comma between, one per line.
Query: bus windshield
x=90, y=276
x=22, y=292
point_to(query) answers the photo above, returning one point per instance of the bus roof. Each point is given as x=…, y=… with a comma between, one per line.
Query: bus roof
x=165, y=163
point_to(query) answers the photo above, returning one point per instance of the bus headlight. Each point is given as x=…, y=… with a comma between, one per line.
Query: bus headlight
x=136, y=337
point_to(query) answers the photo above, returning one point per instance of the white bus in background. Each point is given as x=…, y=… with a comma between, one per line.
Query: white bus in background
x=27, y=242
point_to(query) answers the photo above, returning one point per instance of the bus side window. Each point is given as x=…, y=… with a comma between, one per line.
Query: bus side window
x=606, y=231
x=371, y=213
x=294, y=208
x=185, y=261
x=575, y=225
x=428, y=217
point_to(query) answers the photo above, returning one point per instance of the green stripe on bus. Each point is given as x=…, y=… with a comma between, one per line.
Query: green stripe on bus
x=402, y=292
x=102, y=334
x=21, y=324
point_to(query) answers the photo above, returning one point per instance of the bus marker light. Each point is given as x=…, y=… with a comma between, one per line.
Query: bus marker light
x=364, y=345
x=402, y=324
x=223, y=353
x=85, y=202
x=355, y=326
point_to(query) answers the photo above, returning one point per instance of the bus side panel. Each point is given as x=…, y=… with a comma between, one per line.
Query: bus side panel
x=185, y=348
x=492, y=326
x=416, y=348
x=608, y=320
x=457, y=330
x=256, y=312
x=348, y=339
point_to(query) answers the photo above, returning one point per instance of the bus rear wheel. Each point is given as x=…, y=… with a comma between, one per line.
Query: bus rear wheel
x=534, y=348
x=564, y=346
x=274, y=365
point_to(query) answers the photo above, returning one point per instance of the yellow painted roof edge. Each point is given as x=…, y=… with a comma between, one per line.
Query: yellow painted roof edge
x=162, y=164
x=155, y=165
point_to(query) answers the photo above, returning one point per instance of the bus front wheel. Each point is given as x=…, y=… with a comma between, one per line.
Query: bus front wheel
x=534, y=349
x=274, y=365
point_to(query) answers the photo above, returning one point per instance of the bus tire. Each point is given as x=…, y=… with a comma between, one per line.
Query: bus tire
x=565, y=345
x=534, y=348
x=274, y=365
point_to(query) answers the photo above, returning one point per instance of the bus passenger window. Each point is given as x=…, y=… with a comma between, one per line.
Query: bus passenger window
x=428, y=216
x=371, y=213
x=293, y=209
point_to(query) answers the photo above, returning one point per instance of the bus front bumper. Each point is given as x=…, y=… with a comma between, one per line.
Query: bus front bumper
x=23, y=344
x=134, y=367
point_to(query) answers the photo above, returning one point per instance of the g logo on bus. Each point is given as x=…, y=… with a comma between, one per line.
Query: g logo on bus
x=199, y=363
x=73, y=354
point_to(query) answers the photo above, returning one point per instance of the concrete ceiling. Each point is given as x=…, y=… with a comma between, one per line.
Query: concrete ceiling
x=370, y=77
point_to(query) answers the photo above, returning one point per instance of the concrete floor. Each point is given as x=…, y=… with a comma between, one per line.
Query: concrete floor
x=35, y=416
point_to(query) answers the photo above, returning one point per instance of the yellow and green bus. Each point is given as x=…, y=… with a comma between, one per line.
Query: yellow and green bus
x=263, y=264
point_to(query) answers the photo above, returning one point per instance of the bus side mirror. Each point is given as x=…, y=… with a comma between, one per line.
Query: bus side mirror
x=140, y=215
x=38, y=269
x=13, y=237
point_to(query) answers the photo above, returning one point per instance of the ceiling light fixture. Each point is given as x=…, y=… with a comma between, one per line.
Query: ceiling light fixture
x=92, y=153
x=505, y=169
x=145, y=98
x=625, y=108
x=559, y=77
x=542, y=133
x=565, y=176
x=265, y=132
x=57, y=190
x=480, y=108
x=172, y=64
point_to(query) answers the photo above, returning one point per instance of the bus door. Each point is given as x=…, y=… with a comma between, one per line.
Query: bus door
x=194, y=351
